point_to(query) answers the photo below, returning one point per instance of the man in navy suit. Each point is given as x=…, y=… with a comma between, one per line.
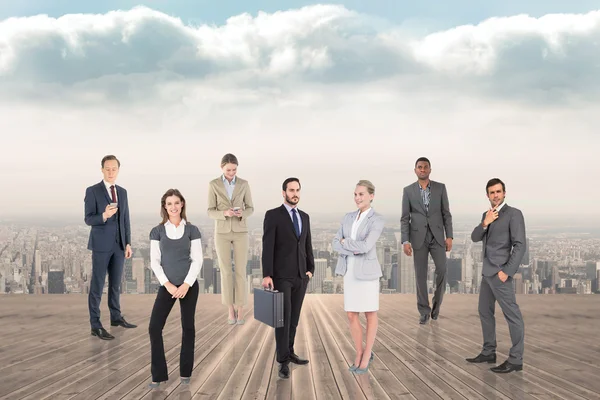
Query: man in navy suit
x=107, y=212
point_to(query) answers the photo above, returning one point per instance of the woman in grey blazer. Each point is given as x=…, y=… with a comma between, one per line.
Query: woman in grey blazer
x=355, y=242
x=229, y=205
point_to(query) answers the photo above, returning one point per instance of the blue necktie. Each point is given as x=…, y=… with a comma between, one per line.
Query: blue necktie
x=296, y=224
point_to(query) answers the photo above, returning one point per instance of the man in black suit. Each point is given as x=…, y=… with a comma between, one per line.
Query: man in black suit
x=107, y=212
x=288, y=264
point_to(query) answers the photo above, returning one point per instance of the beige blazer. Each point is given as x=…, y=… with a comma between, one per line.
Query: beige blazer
x=218, y=201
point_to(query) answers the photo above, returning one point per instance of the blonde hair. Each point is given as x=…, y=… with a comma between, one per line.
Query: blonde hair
x=368, y=185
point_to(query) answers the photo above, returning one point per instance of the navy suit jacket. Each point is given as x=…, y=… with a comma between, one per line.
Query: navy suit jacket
x=103, y=234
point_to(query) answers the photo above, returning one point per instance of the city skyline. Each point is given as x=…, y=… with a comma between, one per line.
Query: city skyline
x=170, y=97
x=536, y=224
x=53, y=257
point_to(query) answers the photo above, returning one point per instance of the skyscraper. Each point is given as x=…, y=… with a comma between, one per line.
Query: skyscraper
x=38, y=265
x=590, y=268
x=216, y=281
x=316, y=283
x=525, y=260
x=407, y=274
x=518, y=283
x=56, y=282
x=455, y=272
x=468, y=266
x=2, y=280
x=395, y=278
x=138, y=273
x=207, y=273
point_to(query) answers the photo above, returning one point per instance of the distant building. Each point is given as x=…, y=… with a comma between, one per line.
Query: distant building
x=56, y=282
x=316, y=283
x=216, y=281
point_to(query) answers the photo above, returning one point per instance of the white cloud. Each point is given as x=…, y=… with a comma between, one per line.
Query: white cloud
x=555, y=55
x=511, y=97
x=130, y=54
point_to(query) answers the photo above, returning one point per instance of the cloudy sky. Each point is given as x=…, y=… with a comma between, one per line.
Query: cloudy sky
x=331, y=93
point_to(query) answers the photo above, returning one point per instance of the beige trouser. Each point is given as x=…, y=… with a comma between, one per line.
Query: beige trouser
x=232, y=292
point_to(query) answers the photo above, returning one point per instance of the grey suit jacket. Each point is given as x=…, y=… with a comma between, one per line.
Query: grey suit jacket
x=504, y=242
x=415, y=219
x=364, y=249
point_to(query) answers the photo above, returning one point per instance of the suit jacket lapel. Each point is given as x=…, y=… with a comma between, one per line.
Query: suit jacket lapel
x=221, y=188
x=364, y=222
x=348, y=221
x=119, y=191
x=433, y=195
x=303, y=227
x=417, y=191
x=289, y=221
x=103, y=189
x=493, y=224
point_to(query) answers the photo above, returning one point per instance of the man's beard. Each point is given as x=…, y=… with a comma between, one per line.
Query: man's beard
x=291, y=201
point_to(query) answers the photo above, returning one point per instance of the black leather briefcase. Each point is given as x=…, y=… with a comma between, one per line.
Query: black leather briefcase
x=268, y=307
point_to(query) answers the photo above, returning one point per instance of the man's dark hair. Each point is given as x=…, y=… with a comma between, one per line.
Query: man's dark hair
x=288, y=180
x=494, y=182
x=422, y=159
x=110, y=157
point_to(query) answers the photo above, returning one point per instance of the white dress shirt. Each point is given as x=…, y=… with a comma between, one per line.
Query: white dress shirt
x=229, y=187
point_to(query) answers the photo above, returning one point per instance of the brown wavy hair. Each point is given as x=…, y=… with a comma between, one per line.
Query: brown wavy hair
x=163, y=202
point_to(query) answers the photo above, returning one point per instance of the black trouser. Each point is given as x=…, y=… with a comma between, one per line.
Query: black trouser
x=162, y=307
x=293, y=295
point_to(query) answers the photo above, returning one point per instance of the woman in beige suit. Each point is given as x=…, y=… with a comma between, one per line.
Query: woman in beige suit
x=230, y=204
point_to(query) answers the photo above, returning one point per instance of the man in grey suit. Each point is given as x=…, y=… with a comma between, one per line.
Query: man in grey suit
x=425, y=217
x=502, y=231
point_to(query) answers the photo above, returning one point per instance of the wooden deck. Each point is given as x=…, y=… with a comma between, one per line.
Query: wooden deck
x=46, y=352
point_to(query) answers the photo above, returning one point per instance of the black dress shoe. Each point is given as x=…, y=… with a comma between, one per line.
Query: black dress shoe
x=434, y=316
x=506, y=367
x=102, y=334
x=481, y=359
x=297, y=360
x=122, y=323
x=424, y=318
x=284, y=371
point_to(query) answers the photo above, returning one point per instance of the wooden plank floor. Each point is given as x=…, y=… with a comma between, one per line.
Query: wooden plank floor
x=46, y=352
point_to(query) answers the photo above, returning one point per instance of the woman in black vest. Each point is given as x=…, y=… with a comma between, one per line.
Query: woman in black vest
x=176, y=259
